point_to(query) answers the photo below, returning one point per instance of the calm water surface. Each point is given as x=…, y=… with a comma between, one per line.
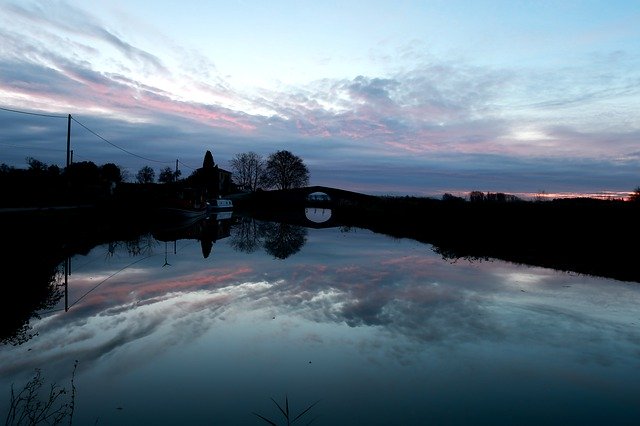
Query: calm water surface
x=378, y=330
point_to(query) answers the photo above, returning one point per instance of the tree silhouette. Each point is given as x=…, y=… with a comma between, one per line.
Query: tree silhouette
x=247, y=235
x=83, y=173
x=111, y=173
x=208, y=162
x=248, y=170
x=146, y=175
x=476, y=196
x=168, y=175
x=285, y=171
x=35, y=165
x=283, y=240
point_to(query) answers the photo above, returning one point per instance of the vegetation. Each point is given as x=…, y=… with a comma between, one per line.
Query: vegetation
x=146, y=175
x=285, y=171
x=281, y=170
x=280, y=240
x=32, y=405
x=288, y=415
x=41, y=184
x=168, y=175
x=248, y=170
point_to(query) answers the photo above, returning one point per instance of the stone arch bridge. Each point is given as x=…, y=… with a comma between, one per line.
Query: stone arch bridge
x=289, y=204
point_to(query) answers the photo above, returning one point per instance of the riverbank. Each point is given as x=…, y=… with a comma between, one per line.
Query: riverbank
x=583, y=235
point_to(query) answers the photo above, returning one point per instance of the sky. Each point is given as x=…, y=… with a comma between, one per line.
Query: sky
x=399, y=98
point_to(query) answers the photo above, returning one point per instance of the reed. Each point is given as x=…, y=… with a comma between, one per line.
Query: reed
x=287, y=414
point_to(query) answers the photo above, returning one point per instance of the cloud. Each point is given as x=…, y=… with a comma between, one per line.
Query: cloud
x=75, y=22
x=403, y=295
x=492, y=119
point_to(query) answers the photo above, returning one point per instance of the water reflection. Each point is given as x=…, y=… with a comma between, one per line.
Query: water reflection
x=280, y=240
x=383, y=330
x=317, y=215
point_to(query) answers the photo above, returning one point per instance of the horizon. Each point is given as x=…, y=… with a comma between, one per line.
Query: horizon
x=412, y=98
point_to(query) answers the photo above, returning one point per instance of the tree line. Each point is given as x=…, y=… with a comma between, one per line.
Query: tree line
x=251, y=171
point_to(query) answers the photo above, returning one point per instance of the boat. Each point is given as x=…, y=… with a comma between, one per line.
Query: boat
x=219, y=205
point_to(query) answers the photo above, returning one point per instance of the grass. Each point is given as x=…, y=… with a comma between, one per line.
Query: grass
x=287, y=414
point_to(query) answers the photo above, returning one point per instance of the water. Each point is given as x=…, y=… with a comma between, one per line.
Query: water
x=378, y=330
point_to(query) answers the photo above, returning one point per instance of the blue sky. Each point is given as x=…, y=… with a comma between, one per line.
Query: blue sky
x=401, y=97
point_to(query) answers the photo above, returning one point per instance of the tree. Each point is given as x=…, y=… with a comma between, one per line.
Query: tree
x=285, y=170
x=208, y=162
x=111, y=172
x=146, y=175
x=168, y=175
x=36, y=166
x=635, y=195
x=83, y=173
x=476, y=196
x=248, y=170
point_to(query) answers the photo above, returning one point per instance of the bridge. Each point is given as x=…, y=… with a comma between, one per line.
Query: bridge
x=289, y=205
x=335, y=197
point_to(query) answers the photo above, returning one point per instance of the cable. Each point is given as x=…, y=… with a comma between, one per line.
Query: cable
x=120, y=148
x=188, y=167
x=93, y=133
x=96, y=286
x=110, y=276
x=33, y=113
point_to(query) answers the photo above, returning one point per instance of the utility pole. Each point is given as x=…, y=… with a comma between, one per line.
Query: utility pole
x=176, y=175
x=69, y=140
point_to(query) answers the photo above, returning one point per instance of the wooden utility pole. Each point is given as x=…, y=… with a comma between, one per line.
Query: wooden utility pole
x=176, y=175
x=69, y=140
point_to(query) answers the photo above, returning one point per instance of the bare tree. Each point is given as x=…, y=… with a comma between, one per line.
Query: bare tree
x=285, y=171
x=248, y=170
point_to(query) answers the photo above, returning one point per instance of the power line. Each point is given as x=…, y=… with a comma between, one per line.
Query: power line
x=188, y=167
x=116, y=146
x=110, y=276
x=97, y=285
x=32, y=113
x=90, y=131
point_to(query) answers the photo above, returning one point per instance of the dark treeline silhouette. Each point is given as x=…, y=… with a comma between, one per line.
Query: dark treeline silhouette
x=45, y=185
x=583, y=235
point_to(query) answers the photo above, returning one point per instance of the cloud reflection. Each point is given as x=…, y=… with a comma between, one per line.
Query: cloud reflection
x=404, y=298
